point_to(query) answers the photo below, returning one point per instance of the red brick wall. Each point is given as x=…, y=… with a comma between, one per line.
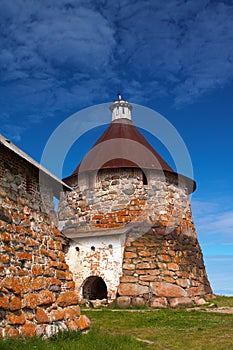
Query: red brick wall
x=37, y=294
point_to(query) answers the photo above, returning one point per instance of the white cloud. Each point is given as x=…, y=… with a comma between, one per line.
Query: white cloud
x=214, y=222
x=58, y=55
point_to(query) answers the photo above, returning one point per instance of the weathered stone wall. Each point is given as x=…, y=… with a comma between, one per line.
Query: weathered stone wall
x=120, y=197
x=37, y=294
x=169, y=255
x=163, y=268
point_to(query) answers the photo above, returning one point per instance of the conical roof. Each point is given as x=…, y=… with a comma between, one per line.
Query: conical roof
x=122, y=145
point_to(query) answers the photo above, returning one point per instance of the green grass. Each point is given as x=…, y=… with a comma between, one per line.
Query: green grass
x=94, y=340
x=223, y=301
x=118, y=329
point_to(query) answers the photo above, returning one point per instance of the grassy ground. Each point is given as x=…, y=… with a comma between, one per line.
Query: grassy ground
x=164, y=329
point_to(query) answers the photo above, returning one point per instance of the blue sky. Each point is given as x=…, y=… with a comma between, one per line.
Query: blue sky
x=176, y=57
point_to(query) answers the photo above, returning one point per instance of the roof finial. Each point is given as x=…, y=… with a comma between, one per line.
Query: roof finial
x=119, y=96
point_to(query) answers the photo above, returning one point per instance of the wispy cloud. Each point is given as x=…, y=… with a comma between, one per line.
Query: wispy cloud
x=60, y=55
x=13, y=131
x=214, y=222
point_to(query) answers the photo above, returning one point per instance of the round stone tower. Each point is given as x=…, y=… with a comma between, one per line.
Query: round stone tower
x=129, y=221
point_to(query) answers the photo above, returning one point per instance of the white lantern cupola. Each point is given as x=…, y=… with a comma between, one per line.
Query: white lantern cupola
x=121, y=109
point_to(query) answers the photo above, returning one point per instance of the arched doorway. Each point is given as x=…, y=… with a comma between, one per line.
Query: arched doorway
x=94, y=288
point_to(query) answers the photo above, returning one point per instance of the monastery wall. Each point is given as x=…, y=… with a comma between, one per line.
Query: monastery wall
x=37, y=295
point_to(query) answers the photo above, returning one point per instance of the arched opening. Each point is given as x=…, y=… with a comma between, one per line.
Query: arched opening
x=94, y=288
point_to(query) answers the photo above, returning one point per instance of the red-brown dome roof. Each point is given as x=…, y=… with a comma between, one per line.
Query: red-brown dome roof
x=122, y=146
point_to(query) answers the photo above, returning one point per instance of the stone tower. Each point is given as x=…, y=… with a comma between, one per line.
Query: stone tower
x=129, y=221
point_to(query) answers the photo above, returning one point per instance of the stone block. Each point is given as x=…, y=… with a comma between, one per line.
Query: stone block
x=54, y=284
x=13, y=284
x=73, y=325
x=195, y=291
x=169, y=279
x=144, y=266
x=159, y=302
x=183, y=301
x=39, y=283
x=70, y=285
x=165, y=258
x=83, y=322
x=11, y=332
x=148, y=278
x=48, y=272
x=57, y=315
x=67, y=298
x=173, y=266
x=28, y=330
x=137, y=301
x=132, y=289
x=183, y=282
x=168, y=290
x=128, y=266
x=61, y=275
x=5, y=215
x=123, y=302
x=46, y=297
x=24, y=256
x=72, y=312
x=144, y=253
x=42, y=316
x=4, y=302
x=15, y=303
x=16, y=318
x=128, y=279
x=130, y=255
x=37, y=270
x=30, y=301
x=5, y=237
x=200, y=301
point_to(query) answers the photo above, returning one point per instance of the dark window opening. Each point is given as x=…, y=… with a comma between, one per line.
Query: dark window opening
x=110, y=246
x=65, y=248
x=93, y=248
x=77, y=249
x=144, y=179
x=94, y=288
x=123, y=110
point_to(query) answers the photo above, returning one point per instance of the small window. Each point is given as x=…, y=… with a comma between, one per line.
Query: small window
x=123, y=110
x=65, y=248
x=110, y=246
x=93, y=248
x=77, y=249
x=144, y=179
